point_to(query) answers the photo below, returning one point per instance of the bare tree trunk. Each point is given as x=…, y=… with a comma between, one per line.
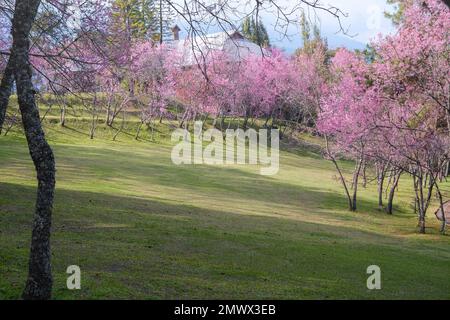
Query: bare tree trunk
x=63, y=112
x=108, y=109
x=364, y=168
x=13, y=121
x=441, y=205
x=183, y=119
x=347, y=193
x=138, y=131
x=418, y=189
x=122, y=124
x=152, y=130
x=5, y=90
x=380, y=181
x=108, y=114
x=94, y=116
x=39, y=282
x=355, y=182
x=245, y=123
x=389, y=207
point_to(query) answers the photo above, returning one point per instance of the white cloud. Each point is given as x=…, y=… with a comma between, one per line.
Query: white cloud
x=365, y=19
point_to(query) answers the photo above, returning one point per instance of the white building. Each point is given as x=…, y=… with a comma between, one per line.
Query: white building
x=195, y=50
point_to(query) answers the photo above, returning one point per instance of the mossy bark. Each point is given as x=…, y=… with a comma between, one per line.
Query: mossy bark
x=39, y=281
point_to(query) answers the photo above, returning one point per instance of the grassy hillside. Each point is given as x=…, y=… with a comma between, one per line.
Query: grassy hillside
x=141, y=227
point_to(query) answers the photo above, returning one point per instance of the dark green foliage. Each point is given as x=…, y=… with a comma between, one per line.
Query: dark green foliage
x=137, y=18
x=255, y=32
x=397, y=15
x=164, y=19
x=311, y=42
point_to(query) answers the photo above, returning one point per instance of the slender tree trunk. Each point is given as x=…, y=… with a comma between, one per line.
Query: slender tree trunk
x=13, y=122
x=418, y=188
x=447, y=171
x=416, y=199
x=355, y=183
x=138, y=131
x=94, y=117
x=183, y=119
x=121, y=126
x=161, y=24
x=108, y=110
x=6, y=86
x=244, y=125
x=39, y=282
x=338, y=169
x=108, y=114
x=441, y=206
x=390, y=203
x=63, y=112
x=152, y=130
x=364, y=168
x=421, y=208
x=380, y=181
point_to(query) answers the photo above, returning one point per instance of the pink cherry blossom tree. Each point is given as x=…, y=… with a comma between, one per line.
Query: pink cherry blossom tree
x=152, y=73
x=346, y=116
x=394, y=112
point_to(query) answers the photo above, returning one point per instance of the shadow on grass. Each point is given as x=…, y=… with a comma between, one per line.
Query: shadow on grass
x=130, y=247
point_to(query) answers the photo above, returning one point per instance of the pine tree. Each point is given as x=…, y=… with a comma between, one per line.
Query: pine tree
x=306, y=29
x=246, y=27
x=264, y=36
x=397, y=16
x=136, y=18
x=255, y=32
x=310, y=41
x=164, y=21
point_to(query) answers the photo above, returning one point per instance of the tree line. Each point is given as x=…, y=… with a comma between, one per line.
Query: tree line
x=390, y=111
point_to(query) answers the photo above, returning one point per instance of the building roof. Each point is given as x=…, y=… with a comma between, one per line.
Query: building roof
x=198, y=49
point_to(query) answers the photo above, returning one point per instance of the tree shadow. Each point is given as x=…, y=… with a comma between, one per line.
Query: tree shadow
x=131, y=247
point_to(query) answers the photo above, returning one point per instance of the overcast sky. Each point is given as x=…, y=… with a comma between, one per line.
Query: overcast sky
x=365, y=20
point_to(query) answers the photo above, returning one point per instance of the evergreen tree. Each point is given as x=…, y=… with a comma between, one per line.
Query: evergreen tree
x=306, y=29
x=136, y=18
x=311, y=41
x=255, y=32
x=264, y=36
x=247, y=28
x=164, y=21
x=397, y=15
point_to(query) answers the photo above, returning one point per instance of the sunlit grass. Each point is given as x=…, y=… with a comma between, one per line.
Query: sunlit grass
x=141, y=227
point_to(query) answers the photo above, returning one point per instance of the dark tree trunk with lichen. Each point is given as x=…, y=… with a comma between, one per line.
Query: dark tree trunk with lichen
x=39, y=281
x=5, y=90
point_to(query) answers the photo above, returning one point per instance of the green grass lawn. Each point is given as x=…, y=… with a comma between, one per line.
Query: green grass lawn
x=140, y=227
